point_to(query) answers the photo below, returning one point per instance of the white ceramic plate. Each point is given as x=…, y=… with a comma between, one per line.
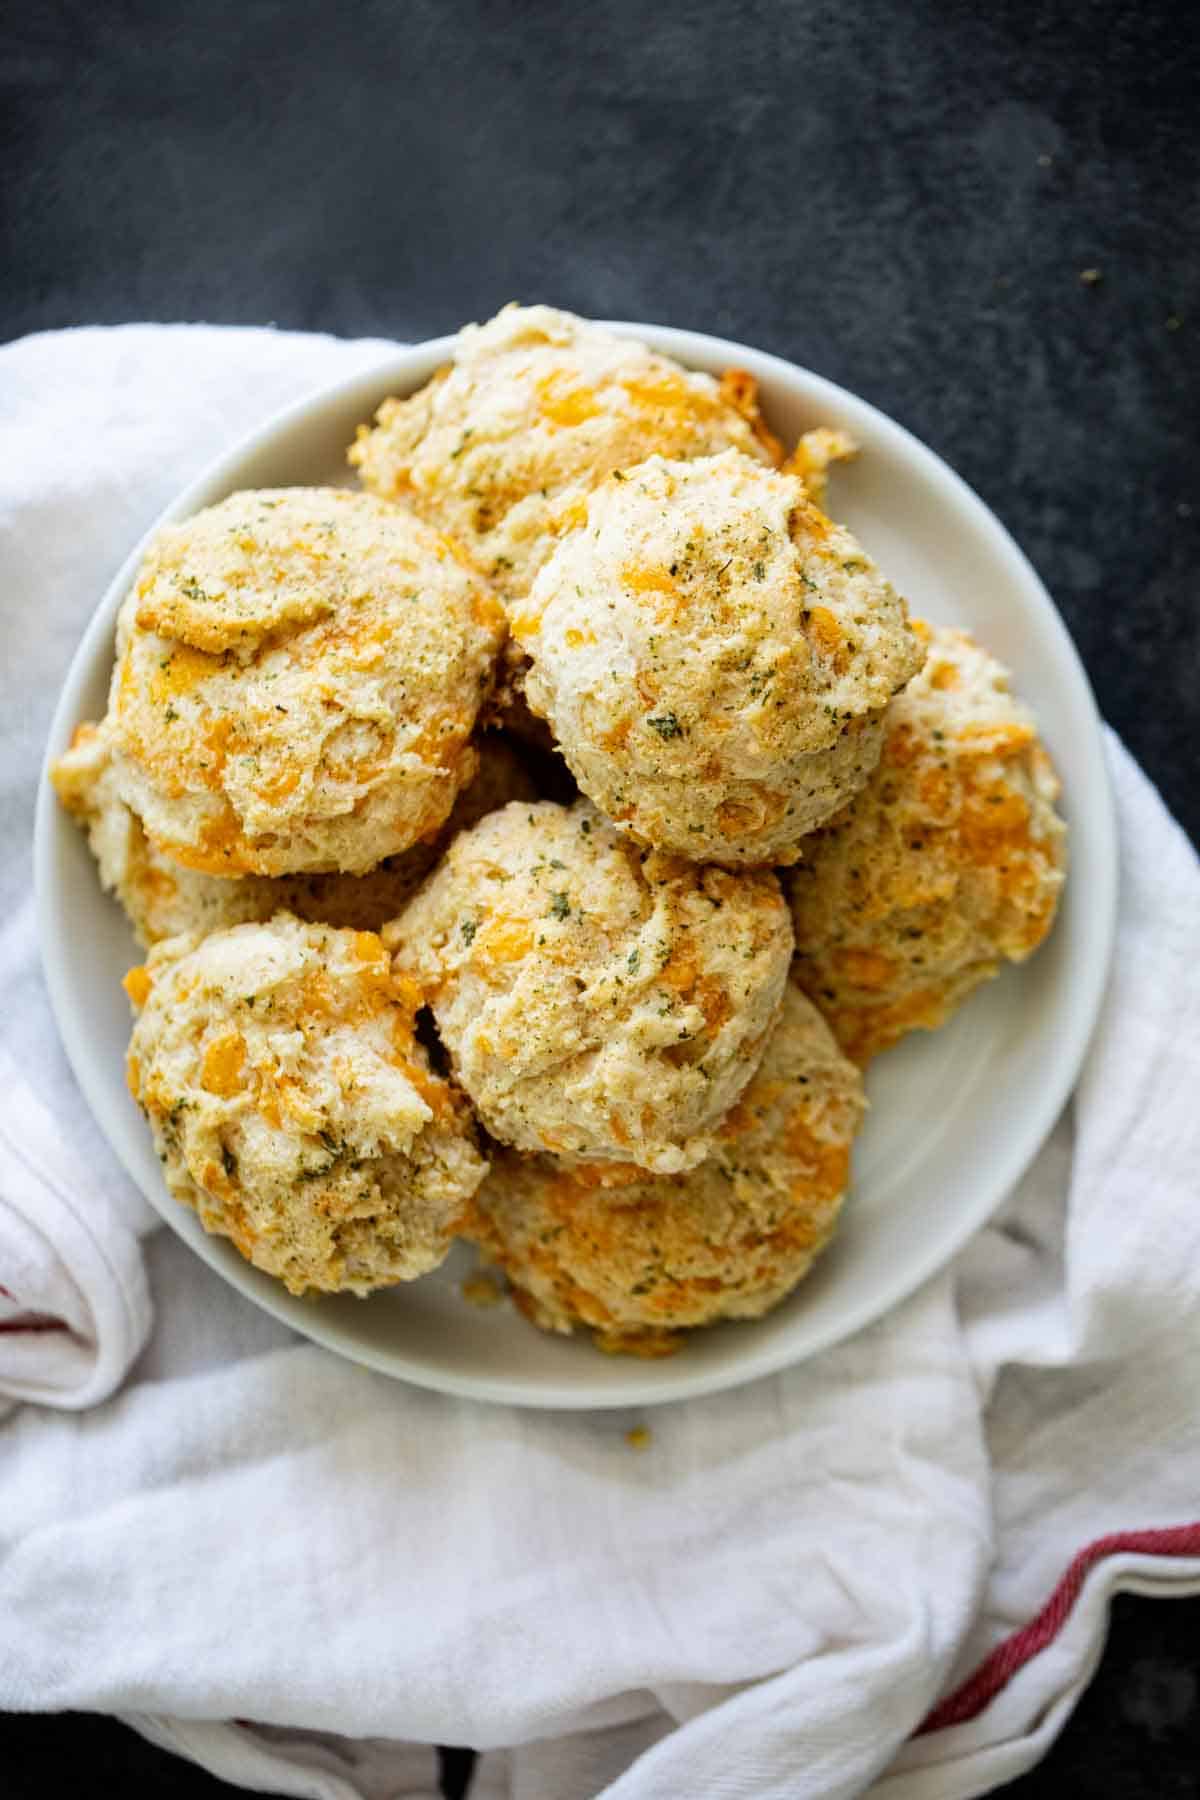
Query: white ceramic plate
x=955, y=1116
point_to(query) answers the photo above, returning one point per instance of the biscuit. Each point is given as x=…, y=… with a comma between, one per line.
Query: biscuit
x=637, y=1258
x=714, y=656
x=947, y=865
x=537, y=402
x=293, y=1107
x=298, y=675
x=595, y=999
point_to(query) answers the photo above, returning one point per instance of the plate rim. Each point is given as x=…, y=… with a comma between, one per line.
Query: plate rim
x=404, y=368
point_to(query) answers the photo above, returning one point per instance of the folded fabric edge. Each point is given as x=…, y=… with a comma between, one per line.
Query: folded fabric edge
x=997, y=1669
x=232, y=1752
x=75, y=1306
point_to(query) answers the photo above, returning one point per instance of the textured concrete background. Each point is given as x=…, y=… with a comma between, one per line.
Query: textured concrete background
x=905, y=198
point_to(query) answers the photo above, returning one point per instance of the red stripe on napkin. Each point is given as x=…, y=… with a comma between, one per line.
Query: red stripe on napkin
x=28, y=1321
x=997, y=1669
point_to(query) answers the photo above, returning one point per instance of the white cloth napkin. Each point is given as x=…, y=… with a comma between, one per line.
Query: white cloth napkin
x=765, y=1601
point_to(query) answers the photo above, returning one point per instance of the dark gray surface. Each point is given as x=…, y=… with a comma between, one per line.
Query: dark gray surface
x=904, y=198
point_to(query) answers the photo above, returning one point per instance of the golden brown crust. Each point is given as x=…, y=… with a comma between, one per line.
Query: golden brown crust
x=293, y=1107
x=595, y=998
x=714, y=656
x=299, y=672
x=162, y=898
x=815, y=454
x=949, y=863
x=638, y=1258
x=538, y=402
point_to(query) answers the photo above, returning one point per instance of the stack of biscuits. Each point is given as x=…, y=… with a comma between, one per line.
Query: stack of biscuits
x=534, y=845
